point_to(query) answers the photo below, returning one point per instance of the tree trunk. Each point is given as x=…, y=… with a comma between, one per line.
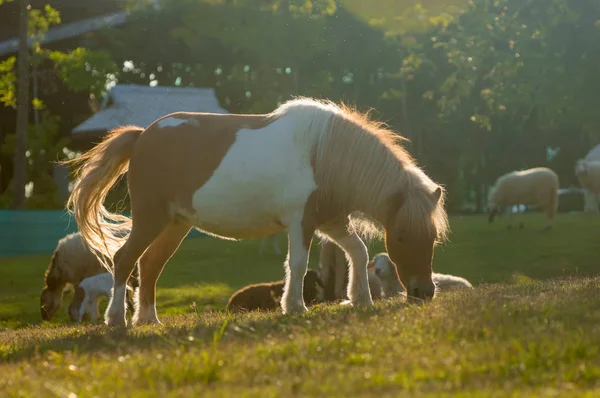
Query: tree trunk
x=20, y=161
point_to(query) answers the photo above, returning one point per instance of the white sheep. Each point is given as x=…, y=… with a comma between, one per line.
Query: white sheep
x=71, y=262
x=533, y=187
x=591, y=198
x=588, y=174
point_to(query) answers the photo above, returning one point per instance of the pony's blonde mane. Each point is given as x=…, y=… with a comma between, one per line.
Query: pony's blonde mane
x=360, y=163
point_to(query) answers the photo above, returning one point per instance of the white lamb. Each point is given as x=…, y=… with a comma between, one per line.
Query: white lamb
x=88, y=293
x=385, y=269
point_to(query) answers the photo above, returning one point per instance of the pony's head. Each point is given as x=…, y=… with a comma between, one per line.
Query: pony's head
x=411, y=234
x=51, y=297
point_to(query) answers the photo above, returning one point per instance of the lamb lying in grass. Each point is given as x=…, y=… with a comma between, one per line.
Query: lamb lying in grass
x=89, y=292
x=266, y=296
x=386, y=270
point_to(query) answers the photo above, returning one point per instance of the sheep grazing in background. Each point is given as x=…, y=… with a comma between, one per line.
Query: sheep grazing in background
x=89, y=292
x=272, y=239
x=334, y=268
x=533, y=187
x=71, y=262
x=388, y=274
x=266, y=296
x=592, y=199
x=588, y=174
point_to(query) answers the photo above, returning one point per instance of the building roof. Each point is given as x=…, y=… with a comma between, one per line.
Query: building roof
x=141, y=105
x=68, y=30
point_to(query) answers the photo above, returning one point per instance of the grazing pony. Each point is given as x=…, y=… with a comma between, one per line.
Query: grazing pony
x=535, y=187
x=309, y=166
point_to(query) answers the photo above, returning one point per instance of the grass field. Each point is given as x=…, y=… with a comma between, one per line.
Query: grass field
x=531, y=327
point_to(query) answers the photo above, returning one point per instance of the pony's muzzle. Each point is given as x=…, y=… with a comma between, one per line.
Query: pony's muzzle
x=421, y=292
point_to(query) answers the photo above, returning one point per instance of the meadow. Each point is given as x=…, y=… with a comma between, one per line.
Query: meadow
x=531, y=327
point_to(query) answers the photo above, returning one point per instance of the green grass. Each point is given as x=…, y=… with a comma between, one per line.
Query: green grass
x=531, y=327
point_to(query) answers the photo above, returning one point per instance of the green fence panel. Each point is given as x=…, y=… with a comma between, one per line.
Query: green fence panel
x=24, y=232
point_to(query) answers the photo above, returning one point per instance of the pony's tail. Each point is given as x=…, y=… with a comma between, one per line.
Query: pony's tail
x=96, y=171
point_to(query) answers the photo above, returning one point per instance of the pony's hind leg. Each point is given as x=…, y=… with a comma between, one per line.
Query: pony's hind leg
x=358, y=283
x=152, y=263
x=296, y=264
x=145, y=228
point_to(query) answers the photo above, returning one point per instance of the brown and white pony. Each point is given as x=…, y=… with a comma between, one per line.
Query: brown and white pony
x=304, y=168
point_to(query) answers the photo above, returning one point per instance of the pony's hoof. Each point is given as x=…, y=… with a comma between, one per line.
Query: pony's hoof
x=116, y=322
x=294, y=309
x=147, y=322
x=347, y=303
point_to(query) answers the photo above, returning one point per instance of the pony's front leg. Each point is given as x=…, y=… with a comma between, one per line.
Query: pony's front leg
x=358, y=283
x=296, y=264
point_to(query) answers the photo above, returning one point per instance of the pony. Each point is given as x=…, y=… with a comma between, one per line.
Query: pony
x=266, y=296
x=308, y=167
x=537, y=186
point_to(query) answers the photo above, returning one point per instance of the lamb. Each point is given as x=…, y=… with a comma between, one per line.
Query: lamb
x=71, y=262
x=588, y=174
x=89, y=292
x=266, y=296
x=388, y=274
x=537, y=186
x=269, y=239
x=334, y=273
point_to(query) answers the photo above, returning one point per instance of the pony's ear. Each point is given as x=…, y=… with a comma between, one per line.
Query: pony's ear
x=371, y=264
x=437, y=194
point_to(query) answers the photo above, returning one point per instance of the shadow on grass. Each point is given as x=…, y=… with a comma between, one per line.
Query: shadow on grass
x=176, y=331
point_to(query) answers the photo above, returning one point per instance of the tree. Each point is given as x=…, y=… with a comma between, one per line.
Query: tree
x=40, y=144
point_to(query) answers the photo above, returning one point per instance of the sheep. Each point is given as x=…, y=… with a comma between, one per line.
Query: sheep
x=273, y=240
x=588, y=174
x=89, y=292
x=266, y=296
x=334, y=266
x=537, y=186
x=388, y=274
x=71, y=262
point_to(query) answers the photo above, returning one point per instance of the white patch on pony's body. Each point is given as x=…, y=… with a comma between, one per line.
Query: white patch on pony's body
x=171, y=121
x=249, y=194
